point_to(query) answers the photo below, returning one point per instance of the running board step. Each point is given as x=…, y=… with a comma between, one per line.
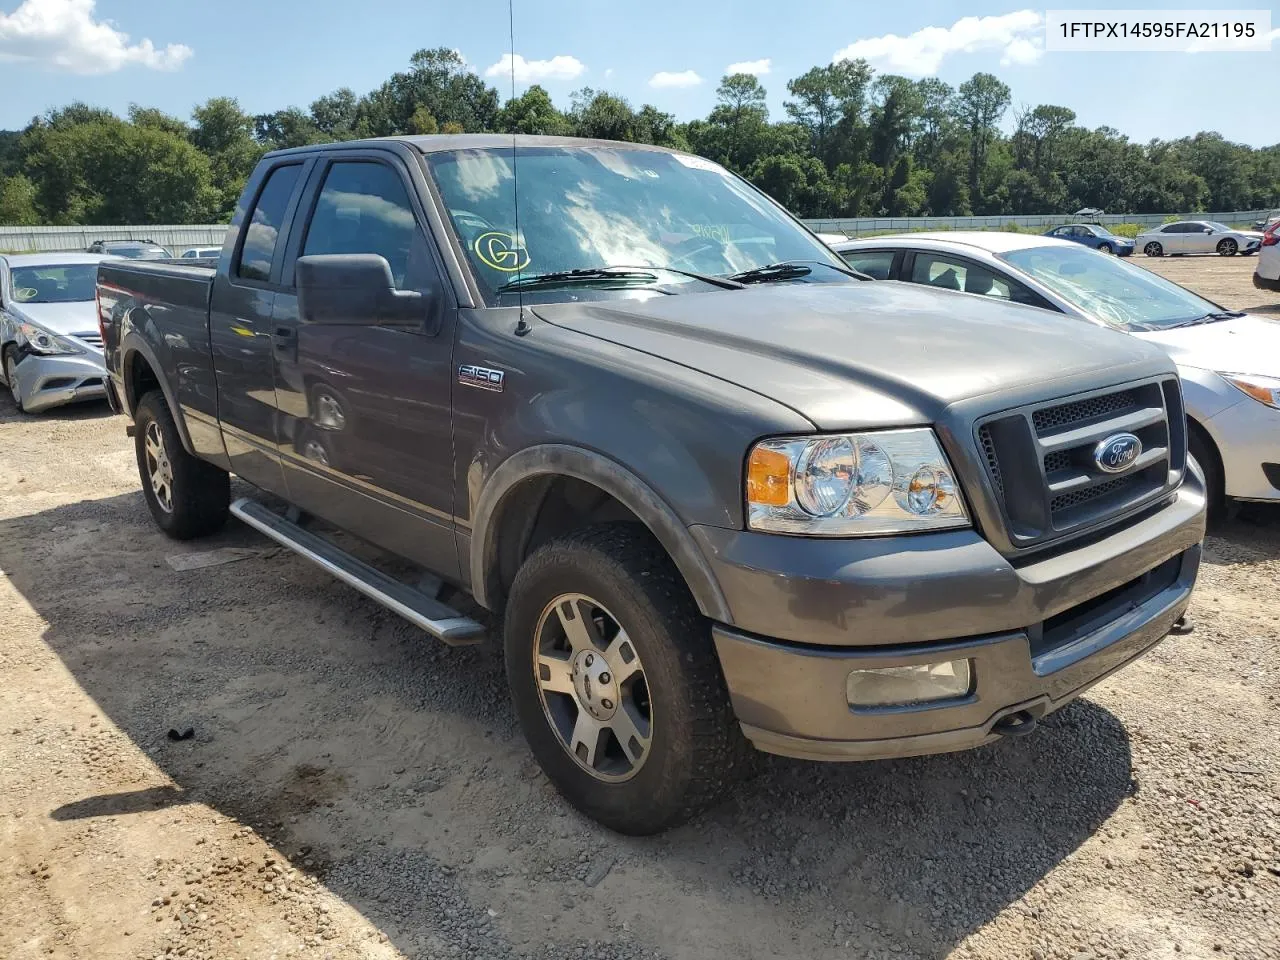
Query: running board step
x=414, y=605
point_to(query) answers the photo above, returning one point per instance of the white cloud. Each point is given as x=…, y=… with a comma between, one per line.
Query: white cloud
x=1019, y=37
x=757, y=68
x=608, y=73
x=532, y=71
x=64, y=34
x=664, y=79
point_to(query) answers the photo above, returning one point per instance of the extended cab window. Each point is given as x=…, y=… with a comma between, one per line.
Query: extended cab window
x=874, y=263
x=263, y=232
x=364, y=208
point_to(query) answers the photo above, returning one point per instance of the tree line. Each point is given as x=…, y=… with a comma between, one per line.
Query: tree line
x=852, y=143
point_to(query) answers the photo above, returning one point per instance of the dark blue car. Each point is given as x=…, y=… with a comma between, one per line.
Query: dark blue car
x=1092, y=235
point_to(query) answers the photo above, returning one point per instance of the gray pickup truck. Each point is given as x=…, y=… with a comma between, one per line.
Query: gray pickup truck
x=718, y=491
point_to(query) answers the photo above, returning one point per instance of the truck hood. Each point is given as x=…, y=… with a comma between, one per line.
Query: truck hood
x=867, y=354
x=79, y=316
x=1245, y=344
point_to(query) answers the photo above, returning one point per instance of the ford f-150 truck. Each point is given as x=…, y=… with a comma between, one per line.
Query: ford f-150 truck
x=718, y=491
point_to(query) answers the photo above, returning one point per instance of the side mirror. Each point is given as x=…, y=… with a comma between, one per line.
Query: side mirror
x=1208, y=229
x=356, y=289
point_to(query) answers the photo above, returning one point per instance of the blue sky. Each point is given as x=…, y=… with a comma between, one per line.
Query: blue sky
x=275, y=53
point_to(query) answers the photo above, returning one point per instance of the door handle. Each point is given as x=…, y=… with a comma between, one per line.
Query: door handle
x=285, y=333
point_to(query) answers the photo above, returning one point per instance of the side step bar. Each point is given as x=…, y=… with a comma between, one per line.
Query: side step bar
x=416, y=607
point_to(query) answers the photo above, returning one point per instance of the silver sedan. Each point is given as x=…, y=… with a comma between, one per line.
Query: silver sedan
x=50, y=347
x=1229, y=361
x=1197, y=236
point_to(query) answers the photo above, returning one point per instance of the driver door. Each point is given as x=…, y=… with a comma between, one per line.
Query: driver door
x=1199, y=239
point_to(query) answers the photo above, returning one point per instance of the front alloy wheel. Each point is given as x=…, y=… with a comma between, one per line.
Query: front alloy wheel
x=159, y=469
x=1227, y=247
x=11, y=376
x=592, y=687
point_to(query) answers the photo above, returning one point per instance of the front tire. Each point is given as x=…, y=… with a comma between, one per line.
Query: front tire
x=616, y=681
x=1202, y=448
x=188, y=497
x=1153, y=249
x=1104, y=248
x=1227, y=247
x=11, y=376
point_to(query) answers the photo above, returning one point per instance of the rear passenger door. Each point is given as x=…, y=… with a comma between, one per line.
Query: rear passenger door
x=1173, y=239
x=366, y=438
x=240, y=310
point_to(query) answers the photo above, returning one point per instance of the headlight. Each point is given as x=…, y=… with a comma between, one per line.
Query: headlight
x=40, y=340
x=891, y=481
x=1263, y=389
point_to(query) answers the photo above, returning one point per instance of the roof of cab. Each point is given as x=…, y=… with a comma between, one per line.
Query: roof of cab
x=443, y=142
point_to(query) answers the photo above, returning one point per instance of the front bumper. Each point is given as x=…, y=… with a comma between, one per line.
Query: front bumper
x=1036, y=635
x=53, y=381
x=1124, y=250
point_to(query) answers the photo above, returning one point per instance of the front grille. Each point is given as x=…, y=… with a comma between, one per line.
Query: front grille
x=1080, y=411
x=1042, y=466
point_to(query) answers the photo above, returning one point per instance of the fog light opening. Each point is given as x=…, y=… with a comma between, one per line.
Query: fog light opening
x=922, y=683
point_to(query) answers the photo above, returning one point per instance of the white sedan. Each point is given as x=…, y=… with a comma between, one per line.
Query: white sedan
x=1197, y=236
x=1229, y=362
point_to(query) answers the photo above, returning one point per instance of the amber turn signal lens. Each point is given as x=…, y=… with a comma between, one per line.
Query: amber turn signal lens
x=768, y=476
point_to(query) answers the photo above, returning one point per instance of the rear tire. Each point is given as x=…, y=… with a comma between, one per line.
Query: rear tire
x=688, y=749
x=1153, y=249
x=1201, y=446
x=188, y=497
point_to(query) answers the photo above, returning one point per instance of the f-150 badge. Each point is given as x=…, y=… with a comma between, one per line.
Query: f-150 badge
x=470, y=375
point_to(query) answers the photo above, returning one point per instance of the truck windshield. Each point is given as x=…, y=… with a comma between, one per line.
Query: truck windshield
x=1109, y=289
x=61, y=283
x=584, y=208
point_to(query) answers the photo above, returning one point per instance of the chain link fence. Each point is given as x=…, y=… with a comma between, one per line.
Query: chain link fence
x=856, y=226
x=179, y=237
x=175, y=237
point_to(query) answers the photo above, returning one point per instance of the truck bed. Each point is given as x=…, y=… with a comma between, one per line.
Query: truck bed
x=178, y=284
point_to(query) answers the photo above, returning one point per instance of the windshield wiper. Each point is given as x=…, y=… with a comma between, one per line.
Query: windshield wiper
x=610, y=273
x=1207, y=318
x=789, y=270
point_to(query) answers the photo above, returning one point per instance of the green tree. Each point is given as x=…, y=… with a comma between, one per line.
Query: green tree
x=335, y=114
x=224, y=133
x=979, y=104
x=438, y=80
x=829, y=101
x=533, y=113
x=18, y=202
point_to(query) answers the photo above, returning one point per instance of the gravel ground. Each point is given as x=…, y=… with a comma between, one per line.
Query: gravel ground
x=355, y=790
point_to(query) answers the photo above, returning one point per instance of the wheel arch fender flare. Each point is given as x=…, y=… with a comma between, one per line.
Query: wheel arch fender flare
x=132, y=349
x=563, y=460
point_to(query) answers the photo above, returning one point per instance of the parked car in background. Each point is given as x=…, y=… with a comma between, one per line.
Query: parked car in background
x=1089, y=213
x=1266, y=275
x=1092, y=235
x=716, y=489
x=50, y=347
x=1268, y=220
x=1197, y=236
x=201, y=253
x=132, y=249
x=1229, y=361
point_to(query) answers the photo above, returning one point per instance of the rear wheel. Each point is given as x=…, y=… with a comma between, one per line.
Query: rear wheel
x=616, y=682
x=11, y=376
x=1227, y=247
x=1153, y=249
x=187, y=497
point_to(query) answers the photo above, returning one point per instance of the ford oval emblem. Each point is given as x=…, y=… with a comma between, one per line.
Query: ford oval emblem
x=1117, y=453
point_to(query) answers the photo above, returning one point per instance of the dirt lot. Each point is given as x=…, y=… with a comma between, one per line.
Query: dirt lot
x=353, y=789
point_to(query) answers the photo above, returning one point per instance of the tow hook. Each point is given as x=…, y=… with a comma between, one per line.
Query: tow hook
x=1015, y=724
